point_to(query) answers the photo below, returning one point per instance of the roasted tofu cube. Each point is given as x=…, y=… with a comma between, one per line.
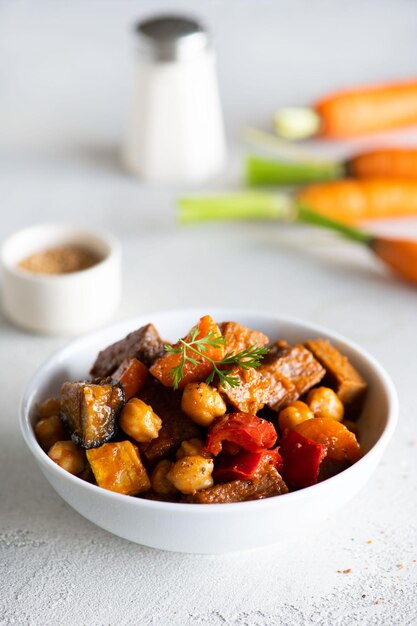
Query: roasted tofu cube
x=252, y=392
x=291, y=371
x=144, y=344
x=239, y=337
x=118, y=467
x=90, y=410
x=341, y=376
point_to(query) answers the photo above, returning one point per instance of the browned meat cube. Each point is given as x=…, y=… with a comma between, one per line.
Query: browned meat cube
x=251, y=394
x=176, y=427
x=291, y=371
x=340, y=376
x=90, y=411
x=144, y=344
x=239, y=337
x=267, y=483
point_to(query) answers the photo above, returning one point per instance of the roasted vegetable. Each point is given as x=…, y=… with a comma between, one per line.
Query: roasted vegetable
x=249, y=432
x=118, y=467
x=90, y=410
x=341, y=444
x=132, y=375
x=194, y=370
x=266, y=482
x=244, y=465
x=301, y=459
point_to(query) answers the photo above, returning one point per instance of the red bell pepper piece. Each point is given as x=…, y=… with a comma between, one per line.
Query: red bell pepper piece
x=244, y=464
x=301, y=458
x=132, y=375
x=247, y=431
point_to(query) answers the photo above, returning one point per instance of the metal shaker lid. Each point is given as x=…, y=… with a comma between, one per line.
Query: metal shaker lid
x=171, y=37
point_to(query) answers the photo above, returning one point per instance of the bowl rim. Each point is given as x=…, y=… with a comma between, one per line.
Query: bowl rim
x=106, y=238
x=180, y=507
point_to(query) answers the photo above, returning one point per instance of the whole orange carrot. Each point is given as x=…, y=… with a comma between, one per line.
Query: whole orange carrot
x=400, y=163
x=353, y=200
x=353, y=112
x=392, y=162
x=400, y=255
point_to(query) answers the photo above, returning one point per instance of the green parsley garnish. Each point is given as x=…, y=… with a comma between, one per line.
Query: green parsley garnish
x=246, y=359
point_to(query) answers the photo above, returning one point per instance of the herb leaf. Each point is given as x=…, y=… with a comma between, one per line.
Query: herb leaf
x=246, y=359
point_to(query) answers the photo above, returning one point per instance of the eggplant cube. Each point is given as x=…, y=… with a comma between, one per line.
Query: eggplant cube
x=90, y=410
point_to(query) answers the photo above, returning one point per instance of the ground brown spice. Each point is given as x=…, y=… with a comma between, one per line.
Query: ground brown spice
x=59, y=260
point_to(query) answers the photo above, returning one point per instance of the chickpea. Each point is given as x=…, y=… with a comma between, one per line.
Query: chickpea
x=202, y=403
x=191, y=473
x=139, y=421
x=51, y=406
x=159, y=481
x=325, y=403
x=293, y=414
x=190, y=448
x=68, y=456
x=49, y=430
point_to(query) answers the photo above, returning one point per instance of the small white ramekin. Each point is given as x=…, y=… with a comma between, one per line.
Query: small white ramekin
x=60, y=304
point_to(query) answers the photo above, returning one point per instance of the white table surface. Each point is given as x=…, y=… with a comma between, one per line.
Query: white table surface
x=64, y=84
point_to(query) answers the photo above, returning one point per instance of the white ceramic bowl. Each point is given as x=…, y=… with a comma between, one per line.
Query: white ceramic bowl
x=212, y=528
x=60, y=304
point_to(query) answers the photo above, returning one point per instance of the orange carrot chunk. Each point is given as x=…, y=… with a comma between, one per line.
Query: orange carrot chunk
x=192, y=372
x=341, y=444
x=132, y=375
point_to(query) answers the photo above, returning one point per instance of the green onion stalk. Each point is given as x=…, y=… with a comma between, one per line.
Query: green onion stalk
x=400, y=255
x=262, y=171
x=248, y=205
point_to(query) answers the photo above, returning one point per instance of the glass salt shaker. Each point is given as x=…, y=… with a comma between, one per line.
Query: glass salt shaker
x=176, y=132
